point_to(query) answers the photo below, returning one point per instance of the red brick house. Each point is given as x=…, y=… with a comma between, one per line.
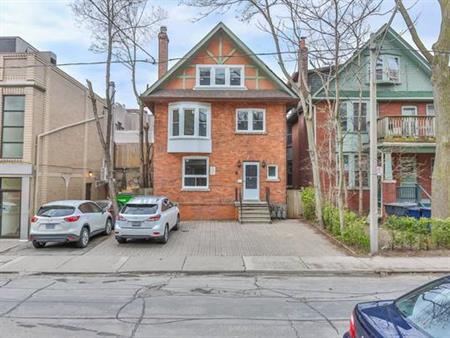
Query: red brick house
x=219, y=130
x=406, y=126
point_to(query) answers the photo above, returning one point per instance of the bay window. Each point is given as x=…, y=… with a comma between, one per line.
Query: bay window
x=189, y=119
x=213, y=76
x=250, y=120
x=195, y=172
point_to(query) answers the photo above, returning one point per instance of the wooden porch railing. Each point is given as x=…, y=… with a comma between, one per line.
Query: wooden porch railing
x=407, y=128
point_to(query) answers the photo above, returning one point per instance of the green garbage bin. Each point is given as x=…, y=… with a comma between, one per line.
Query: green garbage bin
x=123, y=198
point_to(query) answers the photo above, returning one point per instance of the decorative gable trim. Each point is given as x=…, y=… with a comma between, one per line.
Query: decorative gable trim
x=256, y=60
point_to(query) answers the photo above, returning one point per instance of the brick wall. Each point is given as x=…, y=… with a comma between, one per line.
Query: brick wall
x=227, y=149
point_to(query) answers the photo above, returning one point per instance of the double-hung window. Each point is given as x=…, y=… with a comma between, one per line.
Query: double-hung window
x=13, y=126
x=250, y=120
x=360, y=116
x=221, y=76
x=195, y=173
x=189, y=119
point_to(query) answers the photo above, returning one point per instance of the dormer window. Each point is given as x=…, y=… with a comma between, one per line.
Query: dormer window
x=220, y=76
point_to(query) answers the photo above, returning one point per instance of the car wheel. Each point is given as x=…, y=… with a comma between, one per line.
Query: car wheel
x=121, y=240
x=84, y=238
x=177, y=224
x=165, y=238
x=38, y=244
x=108, y=227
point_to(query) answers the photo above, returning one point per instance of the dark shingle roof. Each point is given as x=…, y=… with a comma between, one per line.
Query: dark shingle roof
x=163, y=94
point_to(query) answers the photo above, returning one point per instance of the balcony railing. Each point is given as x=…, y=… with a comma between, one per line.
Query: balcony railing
x=407, y=128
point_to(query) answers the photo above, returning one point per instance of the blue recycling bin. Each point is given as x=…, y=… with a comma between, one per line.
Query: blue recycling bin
x=425, y=212
x=399, y=209
x=414, y=212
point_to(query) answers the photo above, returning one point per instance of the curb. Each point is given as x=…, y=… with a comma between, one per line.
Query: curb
x=300, y=273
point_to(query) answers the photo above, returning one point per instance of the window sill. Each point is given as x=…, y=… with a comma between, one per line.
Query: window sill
x=273, y=180
x=196, y=189
x=189, y=138
x=251, y=133
x=220, y=87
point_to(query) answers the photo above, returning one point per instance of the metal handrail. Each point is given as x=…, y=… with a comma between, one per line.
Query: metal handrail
x=424, y=191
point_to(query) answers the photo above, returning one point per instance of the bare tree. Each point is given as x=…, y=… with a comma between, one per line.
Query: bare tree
x=103, y=19
x=139, y=22
x=330, y=27
x=439, y=59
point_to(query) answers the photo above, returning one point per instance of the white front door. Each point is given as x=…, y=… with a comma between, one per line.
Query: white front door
x=251, y=181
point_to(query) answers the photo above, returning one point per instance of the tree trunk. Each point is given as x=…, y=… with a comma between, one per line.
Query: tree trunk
x=441, y=178
x=314, y=166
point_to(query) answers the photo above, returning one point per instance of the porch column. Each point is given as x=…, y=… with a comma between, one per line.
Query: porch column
x=388, y=167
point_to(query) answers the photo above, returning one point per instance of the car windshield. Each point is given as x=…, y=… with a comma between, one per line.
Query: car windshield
x=428, y=308
x=55, y=211
x=139, y=209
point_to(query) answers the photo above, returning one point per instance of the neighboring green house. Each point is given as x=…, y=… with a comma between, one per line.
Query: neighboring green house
x=406, y=122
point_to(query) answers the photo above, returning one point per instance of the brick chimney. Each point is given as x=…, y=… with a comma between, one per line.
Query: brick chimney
x=302, y=64
x=163, y=51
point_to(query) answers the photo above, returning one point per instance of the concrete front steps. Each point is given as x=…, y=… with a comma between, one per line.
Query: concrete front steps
x=254, y=212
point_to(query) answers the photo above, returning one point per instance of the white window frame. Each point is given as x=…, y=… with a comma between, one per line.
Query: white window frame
x=196, y=106
x=250, y=121
x=428, y=109
x=183, y=175
x=385, y=69
x=212, y=84
x=409, y=107
x=272, y=178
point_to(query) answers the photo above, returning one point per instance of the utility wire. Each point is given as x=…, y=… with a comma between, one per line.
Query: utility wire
x=88, y=63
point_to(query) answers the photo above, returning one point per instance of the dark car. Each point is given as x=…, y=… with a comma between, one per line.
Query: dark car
x=424, y=312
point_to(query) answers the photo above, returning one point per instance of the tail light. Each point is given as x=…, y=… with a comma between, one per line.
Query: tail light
x=352, y=327
x=119, y=217
x=154, y=218
x=71, y=219
x=34, y=219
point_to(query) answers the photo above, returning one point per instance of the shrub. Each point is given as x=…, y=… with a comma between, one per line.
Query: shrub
x=355, y=234
x=440, y=233
x=331, y=219
x=420, y=233
x=309, y=203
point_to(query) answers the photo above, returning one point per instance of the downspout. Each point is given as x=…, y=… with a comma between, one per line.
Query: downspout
x=38, y=152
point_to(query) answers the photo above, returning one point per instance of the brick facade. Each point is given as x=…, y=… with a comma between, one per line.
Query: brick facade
x=229, y=149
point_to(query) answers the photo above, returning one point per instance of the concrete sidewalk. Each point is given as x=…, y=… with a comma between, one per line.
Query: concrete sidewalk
x=223, y=264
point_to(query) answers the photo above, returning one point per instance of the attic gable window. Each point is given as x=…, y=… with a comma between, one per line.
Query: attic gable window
x=388, y=69
x=220, y=76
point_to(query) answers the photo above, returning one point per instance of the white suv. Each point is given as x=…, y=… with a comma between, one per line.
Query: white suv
x=69, y=221
x=147, y=217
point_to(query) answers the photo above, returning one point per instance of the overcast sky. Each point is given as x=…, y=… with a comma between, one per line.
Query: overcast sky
x=50, y=25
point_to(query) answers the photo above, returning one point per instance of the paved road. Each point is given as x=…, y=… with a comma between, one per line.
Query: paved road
x=208, y=238
x=188, y=306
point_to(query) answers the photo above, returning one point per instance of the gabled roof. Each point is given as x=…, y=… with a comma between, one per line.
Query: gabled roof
x=241, y=45
x=406, y=47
